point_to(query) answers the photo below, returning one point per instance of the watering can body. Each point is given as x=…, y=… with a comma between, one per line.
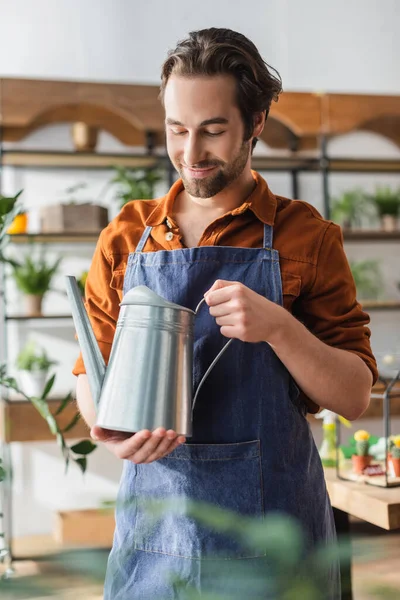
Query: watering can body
x=148, y=382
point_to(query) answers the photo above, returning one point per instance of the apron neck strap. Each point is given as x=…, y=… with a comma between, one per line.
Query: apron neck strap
x=268, y=237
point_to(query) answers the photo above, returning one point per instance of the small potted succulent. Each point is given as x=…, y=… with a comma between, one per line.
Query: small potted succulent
x=387, y=202
x=33, y=277
x=361, y=459
x=394, y=456
x=33, y=365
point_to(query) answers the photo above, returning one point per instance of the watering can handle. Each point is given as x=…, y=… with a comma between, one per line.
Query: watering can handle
x=214, y=362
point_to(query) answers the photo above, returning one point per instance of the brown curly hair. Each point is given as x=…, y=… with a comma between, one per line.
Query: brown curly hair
x=218, y=51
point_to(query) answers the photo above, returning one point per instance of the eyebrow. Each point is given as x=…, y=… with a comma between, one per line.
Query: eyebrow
x=214, y=121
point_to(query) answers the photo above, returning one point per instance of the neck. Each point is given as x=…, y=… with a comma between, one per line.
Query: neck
x=230, y=198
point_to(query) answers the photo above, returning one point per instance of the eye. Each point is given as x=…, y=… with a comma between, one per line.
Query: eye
x=178, y=131
x=213, y=134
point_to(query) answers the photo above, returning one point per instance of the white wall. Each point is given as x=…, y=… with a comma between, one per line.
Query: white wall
x=345, y=46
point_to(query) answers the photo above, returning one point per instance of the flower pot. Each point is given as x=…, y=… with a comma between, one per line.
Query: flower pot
x=33, y=382
x=33, y=305
x=19, y=224
x=360, y=462
x=393, y=466
x=389, y=222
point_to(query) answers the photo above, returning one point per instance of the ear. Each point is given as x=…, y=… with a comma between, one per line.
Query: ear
x=259, y=123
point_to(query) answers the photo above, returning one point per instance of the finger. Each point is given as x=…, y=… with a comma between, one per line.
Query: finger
x=219, y=284
x=222, y=295
x=170, y=441
x=227, y=320
x=125, y=448
x=229, y=331
x=173, y=445
x=150, y=446
x=221, y=310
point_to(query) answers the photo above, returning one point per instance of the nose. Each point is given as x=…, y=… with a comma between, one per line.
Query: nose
x=193, y=152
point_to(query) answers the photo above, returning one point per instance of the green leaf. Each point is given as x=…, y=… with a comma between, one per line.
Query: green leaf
x=2, y=474
x=48, y=387
x=84, y=447
x=82, y=463
x=63, y=404
x=72, y=423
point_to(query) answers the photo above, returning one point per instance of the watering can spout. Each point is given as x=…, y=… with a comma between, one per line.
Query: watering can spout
x=92, y=357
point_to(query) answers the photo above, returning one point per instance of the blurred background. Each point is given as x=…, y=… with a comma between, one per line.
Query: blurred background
x=81, y=133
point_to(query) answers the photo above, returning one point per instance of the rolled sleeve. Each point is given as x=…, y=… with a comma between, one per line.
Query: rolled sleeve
x=330, y=309
x=102, y=304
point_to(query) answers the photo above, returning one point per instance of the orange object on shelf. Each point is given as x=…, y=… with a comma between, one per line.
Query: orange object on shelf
x=19, y=224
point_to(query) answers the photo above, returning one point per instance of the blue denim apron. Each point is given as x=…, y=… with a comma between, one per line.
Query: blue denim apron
x=251, y=451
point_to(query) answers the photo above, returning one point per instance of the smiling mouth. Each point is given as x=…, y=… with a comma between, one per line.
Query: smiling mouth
x=200, y=173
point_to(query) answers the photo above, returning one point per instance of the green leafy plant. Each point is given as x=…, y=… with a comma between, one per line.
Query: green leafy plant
x=9, y=209
x=349, y=208
x=31, y=358
x=34, y=276
x=134, y=184
x=387, y=201
x=367, y=278
x=77, y=452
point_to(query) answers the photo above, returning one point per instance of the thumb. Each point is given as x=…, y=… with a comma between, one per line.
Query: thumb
x=99, y=434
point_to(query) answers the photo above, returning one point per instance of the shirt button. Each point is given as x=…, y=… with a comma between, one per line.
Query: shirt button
x=169, y=236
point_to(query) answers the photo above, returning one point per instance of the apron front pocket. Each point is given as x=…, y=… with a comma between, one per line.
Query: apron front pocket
x=228, y=476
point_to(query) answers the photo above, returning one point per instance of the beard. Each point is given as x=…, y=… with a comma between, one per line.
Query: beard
x=215, y=183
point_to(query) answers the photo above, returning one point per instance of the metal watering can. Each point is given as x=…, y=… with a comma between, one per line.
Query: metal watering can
x=148, y=382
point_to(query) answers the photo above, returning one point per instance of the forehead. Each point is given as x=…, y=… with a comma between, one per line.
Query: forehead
x=198, y=98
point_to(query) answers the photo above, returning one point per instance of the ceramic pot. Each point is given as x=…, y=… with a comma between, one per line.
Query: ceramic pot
x=33, y=382
x=360, y=462
x=389, y=223
x=394, y=466
x=33, y=305
x=84, y=137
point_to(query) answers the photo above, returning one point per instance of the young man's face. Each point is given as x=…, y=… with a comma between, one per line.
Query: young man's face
x=205, y=133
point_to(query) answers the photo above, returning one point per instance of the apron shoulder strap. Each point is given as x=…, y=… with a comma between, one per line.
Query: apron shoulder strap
x=268, y=237
x=143, y=239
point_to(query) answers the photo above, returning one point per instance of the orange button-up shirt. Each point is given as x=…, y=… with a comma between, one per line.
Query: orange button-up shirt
x=318, y=287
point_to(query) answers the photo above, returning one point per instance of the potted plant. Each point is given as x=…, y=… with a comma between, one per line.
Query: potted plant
x=387, y=202
x=135, y=184
x=349, y=208
x=33, y=278
x=33, y=365
x=394, y=456
x=361, y=459
x=367, y=278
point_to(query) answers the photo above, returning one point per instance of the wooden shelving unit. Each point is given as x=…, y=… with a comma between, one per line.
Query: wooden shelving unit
x=361, y=235
x=21, y=422
x=54, y=238
x=381, y=305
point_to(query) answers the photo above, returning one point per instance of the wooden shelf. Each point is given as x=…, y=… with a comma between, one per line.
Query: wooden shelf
x=54, y=238
x=365, y=235
x=76, y=160
x=293, y=162
x=21, y=422
x=380, y=305
x=38, y=318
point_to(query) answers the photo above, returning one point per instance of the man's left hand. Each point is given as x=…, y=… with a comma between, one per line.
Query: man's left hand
x=242, y=313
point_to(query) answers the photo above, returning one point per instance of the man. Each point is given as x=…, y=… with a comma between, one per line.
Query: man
x=275, y=278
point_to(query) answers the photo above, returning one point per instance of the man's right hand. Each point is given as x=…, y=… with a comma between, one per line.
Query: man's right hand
x=142, y=447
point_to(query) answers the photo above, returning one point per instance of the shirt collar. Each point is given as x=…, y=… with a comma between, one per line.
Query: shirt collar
x=262, y=202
